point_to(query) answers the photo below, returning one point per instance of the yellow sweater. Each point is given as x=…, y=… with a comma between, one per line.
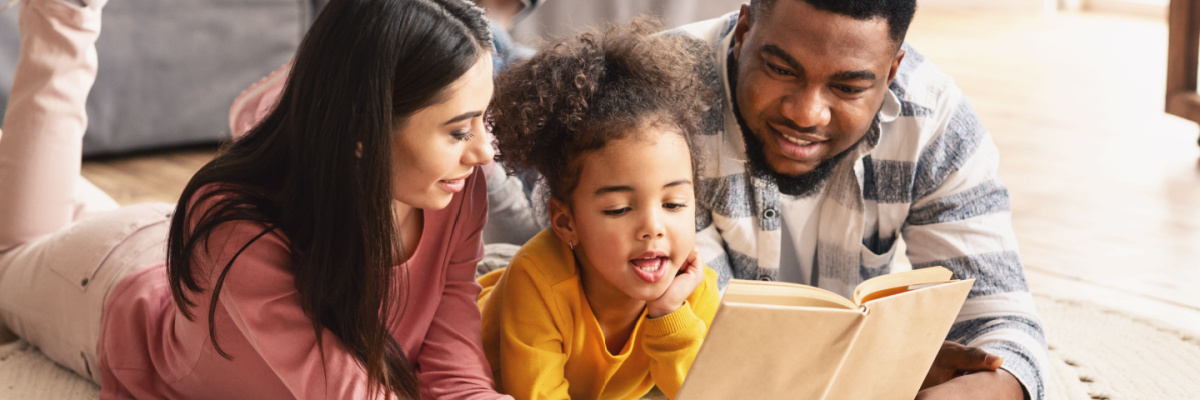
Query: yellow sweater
x=543, y=342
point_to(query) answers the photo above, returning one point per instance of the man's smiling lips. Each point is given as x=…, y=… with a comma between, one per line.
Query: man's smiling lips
x=796, y=146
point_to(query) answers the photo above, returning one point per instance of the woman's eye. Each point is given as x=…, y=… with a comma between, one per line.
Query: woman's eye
x=616, y=212
x=462, y=135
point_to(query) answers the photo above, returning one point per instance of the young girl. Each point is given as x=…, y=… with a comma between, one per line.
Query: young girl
x=324, y=255
x=612, y=299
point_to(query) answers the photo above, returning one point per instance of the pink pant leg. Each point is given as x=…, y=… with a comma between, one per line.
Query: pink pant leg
x=254, y=103
x=41, y=140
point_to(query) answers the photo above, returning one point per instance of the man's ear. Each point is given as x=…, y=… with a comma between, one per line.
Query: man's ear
x=562, y=221
x=895, y=65
x=745, y=20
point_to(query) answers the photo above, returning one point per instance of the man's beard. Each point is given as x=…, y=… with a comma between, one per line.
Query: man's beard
x=803, y=185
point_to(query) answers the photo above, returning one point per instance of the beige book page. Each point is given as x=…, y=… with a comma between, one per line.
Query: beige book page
x=783, y=294
x=770, y=352
x=886, y=285
x=898, y=342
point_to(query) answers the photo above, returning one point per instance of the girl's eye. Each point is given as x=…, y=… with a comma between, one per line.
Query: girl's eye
x=616, y=212
x=674, y=206
x=462, y=135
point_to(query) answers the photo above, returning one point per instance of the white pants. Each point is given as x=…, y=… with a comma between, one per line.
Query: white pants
x=63, y=244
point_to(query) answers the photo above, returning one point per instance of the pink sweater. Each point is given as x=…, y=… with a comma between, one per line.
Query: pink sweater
x=148, y=349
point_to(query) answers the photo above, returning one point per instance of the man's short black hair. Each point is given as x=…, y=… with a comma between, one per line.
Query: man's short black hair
x=898, y=13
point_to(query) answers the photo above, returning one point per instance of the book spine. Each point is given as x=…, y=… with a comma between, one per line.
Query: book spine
x=862, y=322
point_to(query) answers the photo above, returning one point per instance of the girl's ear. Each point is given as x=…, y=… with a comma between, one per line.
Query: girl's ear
x=562, y=221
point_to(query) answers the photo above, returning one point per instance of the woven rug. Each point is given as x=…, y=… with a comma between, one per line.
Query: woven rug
x=1095, y=353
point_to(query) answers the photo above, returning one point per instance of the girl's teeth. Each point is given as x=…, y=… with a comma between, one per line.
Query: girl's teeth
x=797, y=141
x=655, y=264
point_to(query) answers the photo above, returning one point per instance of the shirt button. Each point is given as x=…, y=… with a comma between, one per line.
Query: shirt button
x=770, y=213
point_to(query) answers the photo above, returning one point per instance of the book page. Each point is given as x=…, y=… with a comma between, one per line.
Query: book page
x=783, y=294
x=881, y=284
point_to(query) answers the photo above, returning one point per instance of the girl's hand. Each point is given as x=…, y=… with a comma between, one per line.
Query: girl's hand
x=690, y=276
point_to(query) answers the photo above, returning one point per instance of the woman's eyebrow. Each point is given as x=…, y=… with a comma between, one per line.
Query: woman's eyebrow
x=464, y=116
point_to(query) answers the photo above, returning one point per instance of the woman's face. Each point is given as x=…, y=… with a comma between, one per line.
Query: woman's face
x=438, y=147
x=633, y=215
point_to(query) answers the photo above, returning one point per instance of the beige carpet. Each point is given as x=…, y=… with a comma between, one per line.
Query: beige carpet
x=1095, y=354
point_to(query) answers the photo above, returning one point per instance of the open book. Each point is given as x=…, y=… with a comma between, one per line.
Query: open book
x=773, y=340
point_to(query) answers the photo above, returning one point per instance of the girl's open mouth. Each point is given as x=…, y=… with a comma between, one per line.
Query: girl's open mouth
x=650, y=269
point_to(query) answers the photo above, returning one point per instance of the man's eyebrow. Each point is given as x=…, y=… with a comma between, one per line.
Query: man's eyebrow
x=795, y=65
x=464, y=116
x=854, y=75
x=787, y=58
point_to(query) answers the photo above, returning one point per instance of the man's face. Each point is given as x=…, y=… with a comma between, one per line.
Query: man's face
x=810, y=82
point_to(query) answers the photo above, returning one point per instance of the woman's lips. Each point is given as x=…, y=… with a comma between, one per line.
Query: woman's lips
x=455, y=185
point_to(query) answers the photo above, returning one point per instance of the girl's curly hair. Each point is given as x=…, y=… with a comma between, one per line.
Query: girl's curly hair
x=582, y=92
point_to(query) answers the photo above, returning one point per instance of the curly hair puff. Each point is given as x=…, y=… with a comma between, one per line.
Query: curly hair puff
x=582, y=92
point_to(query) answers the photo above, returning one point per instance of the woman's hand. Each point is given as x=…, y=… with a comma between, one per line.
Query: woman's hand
x=690, y=276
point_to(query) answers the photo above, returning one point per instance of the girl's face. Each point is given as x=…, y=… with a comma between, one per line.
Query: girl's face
x=438, y=147
x=632, y=216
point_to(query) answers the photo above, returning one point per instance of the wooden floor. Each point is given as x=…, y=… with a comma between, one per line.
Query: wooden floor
x=1105, y=186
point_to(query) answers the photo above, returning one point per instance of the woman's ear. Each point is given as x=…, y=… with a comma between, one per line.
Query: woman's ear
x=562, y=221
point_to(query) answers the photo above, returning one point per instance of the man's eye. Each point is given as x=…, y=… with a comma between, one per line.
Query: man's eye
x=616, y=212
x=778, y=70
x=849, y=89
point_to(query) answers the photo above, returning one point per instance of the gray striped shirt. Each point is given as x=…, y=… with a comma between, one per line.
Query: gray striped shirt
x=926, y=172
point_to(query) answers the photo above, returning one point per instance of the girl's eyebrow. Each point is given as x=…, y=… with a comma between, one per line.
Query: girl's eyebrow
x=678, y=182
x=611, y=189
x=624, y=188
x=464, y=116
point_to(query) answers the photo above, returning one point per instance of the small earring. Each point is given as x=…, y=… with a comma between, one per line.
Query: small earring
x=571, y=244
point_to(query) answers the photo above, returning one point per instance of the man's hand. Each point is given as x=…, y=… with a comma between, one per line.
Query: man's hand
x=690, y=276
x=961, y=372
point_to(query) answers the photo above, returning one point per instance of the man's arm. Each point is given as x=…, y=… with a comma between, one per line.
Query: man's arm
x=961, y=220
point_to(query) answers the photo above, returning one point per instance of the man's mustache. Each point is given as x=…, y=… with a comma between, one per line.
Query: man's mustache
x=793, y=126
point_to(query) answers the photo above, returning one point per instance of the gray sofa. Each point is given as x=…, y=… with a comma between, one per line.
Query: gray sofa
x=169, y=69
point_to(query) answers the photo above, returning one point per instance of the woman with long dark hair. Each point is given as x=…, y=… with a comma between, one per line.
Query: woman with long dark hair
x=330, y=253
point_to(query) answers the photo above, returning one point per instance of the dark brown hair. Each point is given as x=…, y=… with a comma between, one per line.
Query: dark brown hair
x=363, y=68
x=584, y=91
x=898, y=13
